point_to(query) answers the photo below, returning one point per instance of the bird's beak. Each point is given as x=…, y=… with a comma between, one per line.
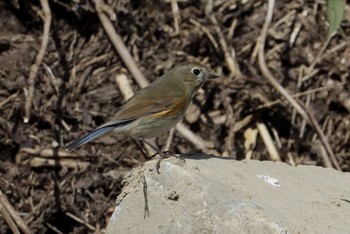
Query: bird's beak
x=212, y=76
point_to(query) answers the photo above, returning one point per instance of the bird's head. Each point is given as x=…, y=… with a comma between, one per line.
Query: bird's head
x=192, y=74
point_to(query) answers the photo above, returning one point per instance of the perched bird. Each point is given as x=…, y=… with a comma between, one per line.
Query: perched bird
x=155, y=109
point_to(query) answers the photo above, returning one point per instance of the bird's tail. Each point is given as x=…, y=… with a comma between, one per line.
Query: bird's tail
x=89, y=137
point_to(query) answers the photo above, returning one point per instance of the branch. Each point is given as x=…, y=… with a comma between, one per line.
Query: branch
x=39, y=58
x=8, y=210
x=299, y=108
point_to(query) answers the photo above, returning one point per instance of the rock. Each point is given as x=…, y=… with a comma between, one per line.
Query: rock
x=220, y=195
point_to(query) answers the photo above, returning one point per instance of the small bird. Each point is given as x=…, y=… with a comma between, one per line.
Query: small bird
x=155, y=109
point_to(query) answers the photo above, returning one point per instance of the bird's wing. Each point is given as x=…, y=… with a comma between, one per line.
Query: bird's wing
x=140, y=107
x=133, y=109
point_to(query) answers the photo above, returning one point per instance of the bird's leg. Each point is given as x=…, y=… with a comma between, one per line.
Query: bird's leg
x=155, y=148
x=137, y=143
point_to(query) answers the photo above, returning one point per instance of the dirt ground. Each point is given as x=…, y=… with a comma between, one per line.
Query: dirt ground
x=75, y=90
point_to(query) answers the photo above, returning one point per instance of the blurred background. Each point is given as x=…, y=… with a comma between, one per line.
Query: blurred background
x=76, y=89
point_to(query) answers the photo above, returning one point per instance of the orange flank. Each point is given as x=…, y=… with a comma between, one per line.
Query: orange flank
x=172, y=110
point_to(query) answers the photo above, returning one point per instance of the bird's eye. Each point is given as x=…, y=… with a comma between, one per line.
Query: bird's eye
x=196, y=71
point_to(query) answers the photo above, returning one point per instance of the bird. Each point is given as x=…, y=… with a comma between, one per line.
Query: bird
x=155, y=109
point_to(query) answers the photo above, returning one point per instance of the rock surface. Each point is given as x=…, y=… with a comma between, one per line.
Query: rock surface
x=218, y=195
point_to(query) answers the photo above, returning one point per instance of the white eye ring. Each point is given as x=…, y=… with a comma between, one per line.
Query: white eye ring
x=196, y=71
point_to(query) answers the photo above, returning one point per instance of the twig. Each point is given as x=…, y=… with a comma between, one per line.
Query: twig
x=272, y=103
x=120, y=46
x=90, y=61
x=291, y=159
x=232, y=28
x=294, y=34
x=46, y=162
x=53, y=228
x=169, y=139
x=39, y=58
x=229, y=56
x=301, y=109
x=38, y=157
x=176, y=15
x=250, y=136
x=197, y=141
x=52, y=79
x=13, y=213
x=46, y=152
x=206, y=31
x=8, y=99
x=79, y=220
x=267, y=139
x=8, y=219
x=124, y=86
x=317, y=59
x=230, y=124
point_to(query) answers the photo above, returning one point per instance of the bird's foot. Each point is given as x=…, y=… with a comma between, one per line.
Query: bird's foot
x=168, y=154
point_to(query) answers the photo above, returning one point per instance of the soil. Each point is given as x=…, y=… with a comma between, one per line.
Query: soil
x=75, y=90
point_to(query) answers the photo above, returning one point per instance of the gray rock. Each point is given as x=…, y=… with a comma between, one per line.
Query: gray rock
x=220, y=195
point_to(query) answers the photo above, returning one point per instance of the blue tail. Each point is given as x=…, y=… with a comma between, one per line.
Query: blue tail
x=89, y=137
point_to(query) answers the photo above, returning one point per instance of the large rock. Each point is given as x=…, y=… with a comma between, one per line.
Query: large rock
x=220, y=195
